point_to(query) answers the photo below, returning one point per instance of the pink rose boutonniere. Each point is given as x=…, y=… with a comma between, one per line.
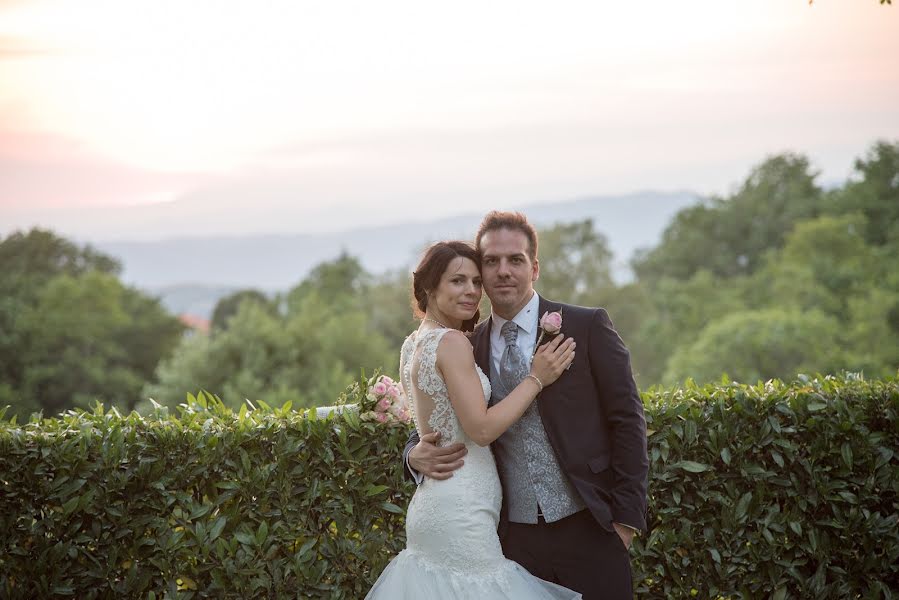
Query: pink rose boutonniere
x=550, y=324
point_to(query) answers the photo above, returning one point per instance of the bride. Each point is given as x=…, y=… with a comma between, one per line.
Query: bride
x=453, y=550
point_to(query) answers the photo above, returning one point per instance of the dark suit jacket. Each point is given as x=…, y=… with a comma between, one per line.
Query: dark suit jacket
x=593, y=416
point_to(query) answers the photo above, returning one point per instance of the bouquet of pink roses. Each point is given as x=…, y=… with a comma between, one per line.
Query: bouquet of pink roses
x=385, y=402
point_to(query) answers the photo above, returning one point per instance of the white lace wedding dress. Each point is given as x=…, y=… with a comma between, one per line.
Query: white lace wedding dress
x=452, y=548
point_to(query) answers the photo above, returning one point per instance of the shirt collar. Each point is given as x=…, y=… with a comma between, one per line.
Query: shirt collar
x=526, y=318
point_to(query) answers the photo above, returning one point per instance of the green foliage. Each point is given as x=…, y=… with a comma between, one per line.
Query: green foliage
x=390, y=308
x=778, y=245
x=211, y=503
x=756, y=345
x=39, y=255
x=70, y=332
x=306, y=356
x=340, y=282
x=227, y=306
x=835, y=255
x=27, y=262
x=772, y=490
x=822, y=265
x=873, y=335
x=674, y=316
x=729, y=236
x=575, y=262
x=875, y=193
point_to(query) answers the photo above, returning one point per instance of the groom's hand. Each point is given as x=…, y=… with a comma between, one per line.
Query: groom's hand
x=434, y=462
x=625, y=533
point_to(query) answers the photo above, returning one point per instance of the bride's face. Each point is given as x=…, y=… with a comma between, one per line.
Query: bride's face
x=459, y=291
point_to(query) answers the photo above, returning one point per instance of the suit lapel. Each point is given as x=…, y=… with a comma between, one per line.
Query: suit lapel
x=482, y=346
x=545, y=306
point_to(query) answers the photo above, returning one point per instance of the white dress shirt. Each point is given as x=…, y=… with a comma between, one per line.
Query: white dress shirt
x=526, y=319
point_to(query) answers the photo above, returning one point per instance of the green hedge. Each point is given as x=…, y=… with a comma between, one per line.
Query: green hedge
x=769, y=491
x=773, y=491
x=259, y=504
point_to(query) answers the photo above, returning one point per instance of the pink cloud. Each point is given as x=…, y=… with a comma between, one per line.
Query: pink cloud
x=39, y=170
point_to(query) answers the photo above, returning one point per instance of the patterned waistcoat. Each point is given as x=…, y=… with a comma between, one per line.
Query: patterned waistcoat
x=531, y=475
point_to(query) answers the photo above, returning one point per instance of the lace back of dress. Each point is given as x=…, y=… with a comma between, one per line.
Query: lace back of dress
x=405, y=382
x=428, y=399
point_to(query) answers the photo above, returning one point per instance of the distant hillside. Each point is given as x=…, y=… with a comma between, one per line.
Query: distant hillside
x=192, y=273
x=191, y=298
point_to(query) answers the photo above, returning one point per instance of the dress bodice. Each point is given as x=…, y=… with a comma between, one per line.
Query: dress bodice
x=425, y=387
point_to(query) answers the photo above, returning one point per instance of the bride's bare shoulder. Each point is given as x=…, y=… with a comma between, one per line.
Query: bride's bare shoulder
x=454, y=346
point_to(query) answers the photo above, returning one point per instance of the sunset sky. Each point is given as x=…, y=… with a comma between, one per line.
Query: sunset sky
x=130, y=119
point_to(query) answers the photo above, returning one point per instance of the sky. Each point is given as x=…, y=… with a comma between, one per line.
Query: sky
x=146, y=120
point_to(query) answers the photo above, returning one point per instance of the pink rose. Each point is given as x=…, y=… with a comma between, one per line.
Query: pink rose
x=393, y=391
x=385, y=380
x=404, y=416
x=379, y=388
x=383, y=404
x=551, y=322
x=381, y=417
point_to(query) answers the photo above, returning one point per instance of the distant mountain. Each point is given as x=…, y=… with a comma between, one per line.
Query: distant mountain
x=190, y=274
x=191, y=298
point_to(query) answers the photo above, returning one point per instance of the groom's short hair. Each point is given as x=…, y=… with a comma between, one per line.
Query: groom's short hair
x=514, y=221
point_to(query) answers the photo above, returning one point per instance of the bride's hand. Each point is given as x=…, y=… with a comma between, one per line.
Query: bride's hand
x=552, y=359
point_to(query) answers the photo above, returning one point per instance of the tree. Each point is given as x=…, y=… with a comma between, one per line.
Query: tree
x=227, y=306
x=40, y=255
x=575, y=263
x=873, y=331
x=90, y=338
x=833, y=249
x=390, y=307
x=70, y=332
x=693, y=241
x=341, y=280
x=730, y=236
x=307, y=355
x=629, y=307
x=27, y=262
x=875, y=193
x=758, y=345
x=678, y=310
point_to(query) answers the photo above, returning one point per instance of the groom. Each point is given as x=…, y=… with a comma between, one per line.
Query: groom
x=574, y=467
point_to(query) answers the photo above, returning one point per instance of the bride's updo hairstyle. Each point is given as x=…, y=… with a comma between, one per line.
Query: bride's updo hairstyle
x=433, y=265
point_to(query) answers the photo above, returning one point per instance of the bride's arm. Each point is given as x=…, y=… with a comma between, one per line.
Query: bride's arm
x=455, y=360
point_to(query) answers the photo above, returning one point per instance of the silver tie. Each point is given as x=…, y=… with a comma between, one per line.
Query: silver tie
x=513, y=364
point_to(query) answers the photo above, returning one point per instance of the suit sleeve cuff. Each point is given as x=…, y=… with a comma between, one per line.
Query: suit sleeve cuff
x=418, y=477
x=631, y=527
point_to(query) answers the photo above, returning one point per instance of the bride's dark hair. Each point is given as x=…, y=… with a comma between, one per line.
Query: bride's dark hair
x=426, y=276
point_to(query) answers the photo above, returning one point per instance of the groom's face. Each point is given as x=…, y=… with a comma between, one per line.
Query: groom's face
x=507, y=270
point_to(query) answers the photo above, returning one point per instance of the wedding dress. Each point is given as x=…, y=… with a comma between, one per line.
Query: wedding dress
x=452, y=548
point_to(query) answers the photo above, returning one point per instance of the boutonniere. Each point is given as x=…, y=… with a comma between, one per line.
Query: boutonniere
x=550, y=324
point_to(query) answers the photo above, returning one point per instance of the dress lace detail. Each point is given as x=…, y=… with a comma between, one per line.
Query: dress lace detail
x=406, y=372
x=453, y=550
x=443, y=418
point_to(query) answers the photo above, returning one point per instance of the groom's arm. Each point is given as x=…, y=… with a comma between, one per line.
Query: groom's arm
x=610, y=367
x=408, y=471
x=422, y=457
